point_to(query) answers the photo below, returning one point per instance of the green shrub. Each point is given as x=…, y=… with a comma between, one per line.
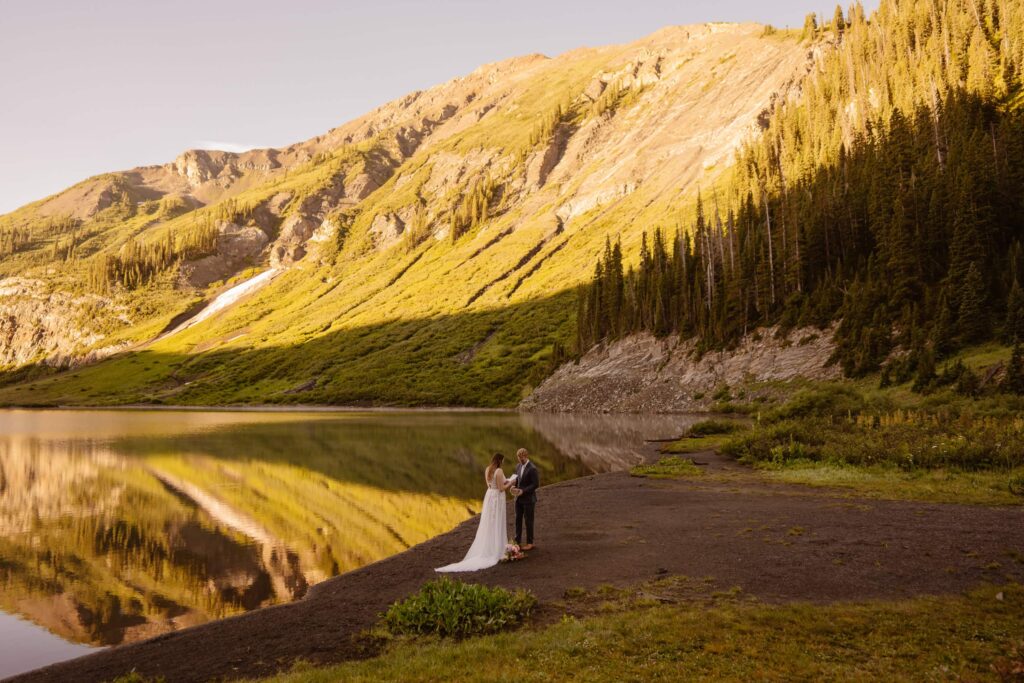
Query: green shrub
x=1016, y=485
x=711, y=427
x=793, y=450
x=451, y=608
x=908, y=440
x=832, y=400
x=776, y=442
x=728, y=407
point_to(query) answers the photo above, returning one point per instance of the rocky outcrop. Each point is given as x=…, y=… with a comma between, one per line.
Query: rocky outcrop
x=197, y=166
x=237, y=246
x=386, y=230
x=200, y=166
x=542, y=164
x=40, y=326
x=643, y=374
x=290, y=245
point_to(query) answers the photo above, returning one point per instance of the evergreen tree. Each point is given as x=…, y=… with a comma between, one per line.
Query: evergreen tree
x=1013, y=382
x=972, y=323
x=945, y=327
x=838, y=21
x=810, y=26
x=925, y=375
x=1014, y=329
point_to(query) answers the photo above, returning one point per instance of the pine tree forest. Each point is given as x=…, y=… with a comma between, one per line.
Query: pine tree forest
x=886, y=198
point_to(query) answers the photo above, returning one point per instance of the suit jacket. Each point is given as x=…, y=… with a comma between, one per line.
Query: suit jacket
x=528, y=481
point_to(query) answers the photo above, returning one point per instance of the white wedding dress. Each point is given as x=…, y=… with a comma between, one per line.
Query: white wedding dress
x=489, y=545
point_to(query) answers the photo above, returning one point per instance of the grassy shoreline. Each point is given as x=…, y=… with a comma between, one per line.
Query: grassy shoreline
x=973, y=636
x=877, y=439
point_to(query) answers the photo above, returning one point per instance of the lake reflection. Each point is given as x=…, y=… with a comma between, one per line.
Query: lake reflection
x=120, y=525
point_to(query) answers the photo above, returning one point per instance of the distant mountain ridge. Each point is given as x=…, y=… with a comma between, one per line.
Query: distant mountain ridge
x=428, y=251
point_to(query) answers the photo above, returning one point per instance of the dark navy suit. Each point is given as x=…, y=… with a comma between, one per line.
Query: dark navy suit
x=528, y=481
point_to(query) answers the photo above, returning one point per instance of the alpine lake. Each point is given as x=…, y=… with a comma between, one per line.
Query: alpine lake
x=120, y=525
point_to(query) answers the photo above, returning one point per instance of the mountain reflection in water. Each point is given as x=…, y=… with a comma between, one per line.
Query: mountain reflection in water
x=120, y=525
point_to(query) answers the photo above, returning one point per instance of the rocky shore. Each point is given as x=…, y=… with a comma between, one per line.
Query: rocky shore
x=644, y=374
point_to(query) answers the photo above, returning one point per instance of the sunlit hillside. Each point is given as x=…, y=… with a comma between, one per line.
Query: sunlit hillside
x=425, y=253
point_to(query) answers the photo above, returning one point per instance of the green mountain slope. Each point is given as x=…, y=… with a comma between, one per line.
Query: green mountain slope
x=425, y=253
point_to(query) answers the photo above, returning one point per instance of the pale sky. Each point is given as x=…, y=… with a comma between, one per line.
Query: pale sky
x=88, y=86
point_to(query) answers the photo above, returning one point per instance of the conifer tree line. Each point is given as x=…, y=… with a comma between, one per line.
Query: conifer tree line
x=887, y=196
x=133, y=266
x=608, y=100
x=64, y=248
x=12, y=239
x=60, y=224
x=13, y=236
x=418, y=230
x=615, y=96
x=474, y=208
x=136, y=263
x=549, y=123
x=231, y=210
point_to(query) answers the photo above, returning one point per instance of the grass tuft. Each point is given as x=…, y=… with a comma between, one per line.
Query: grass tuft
x=671, y=467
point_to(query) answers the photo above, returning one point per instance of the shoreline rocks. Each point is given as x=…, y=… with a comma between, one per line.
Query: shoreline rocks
x=644, y=374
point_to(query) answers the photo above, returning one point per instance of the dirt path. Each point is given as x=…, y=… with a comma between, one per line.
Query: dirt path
x=774, y=542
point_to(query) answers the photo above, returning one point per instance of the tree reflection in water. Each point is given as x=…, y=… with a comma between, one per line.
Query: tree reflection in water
x=116, y=526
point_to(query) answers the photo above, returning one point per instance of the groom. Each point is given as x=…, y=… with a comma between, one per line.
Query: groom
x=525, y=491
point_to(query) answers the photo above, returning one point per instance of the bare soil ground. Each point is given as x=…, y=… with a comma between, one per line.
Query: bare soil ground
x=778, y=543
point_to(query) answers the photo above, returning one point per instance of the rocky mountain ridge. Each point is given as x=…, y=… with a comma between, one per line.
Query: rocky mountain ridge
x=497, y=184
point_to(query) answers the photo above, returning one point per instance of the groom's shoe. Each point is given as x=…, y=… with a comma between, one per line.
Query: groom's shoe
x=528, y=546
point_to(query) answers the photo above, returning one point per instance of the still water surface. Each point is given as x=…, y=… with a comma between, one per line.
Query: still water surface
x=120, y=525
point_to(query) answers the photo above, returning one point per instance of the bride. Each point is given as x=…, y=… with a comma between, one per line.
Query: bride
x=489, y=545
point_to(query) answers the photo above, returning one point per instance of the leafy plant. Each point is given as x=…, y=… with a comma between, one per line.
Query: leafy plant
x=830, y=400
x=710, y=427
x=449, y=608
x=908, y=440
x=722, y=393
x=1016, y=485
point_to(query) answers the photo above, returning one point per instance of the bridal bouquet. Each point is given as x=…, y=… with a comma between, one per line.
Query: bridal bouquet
x=512, y=553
